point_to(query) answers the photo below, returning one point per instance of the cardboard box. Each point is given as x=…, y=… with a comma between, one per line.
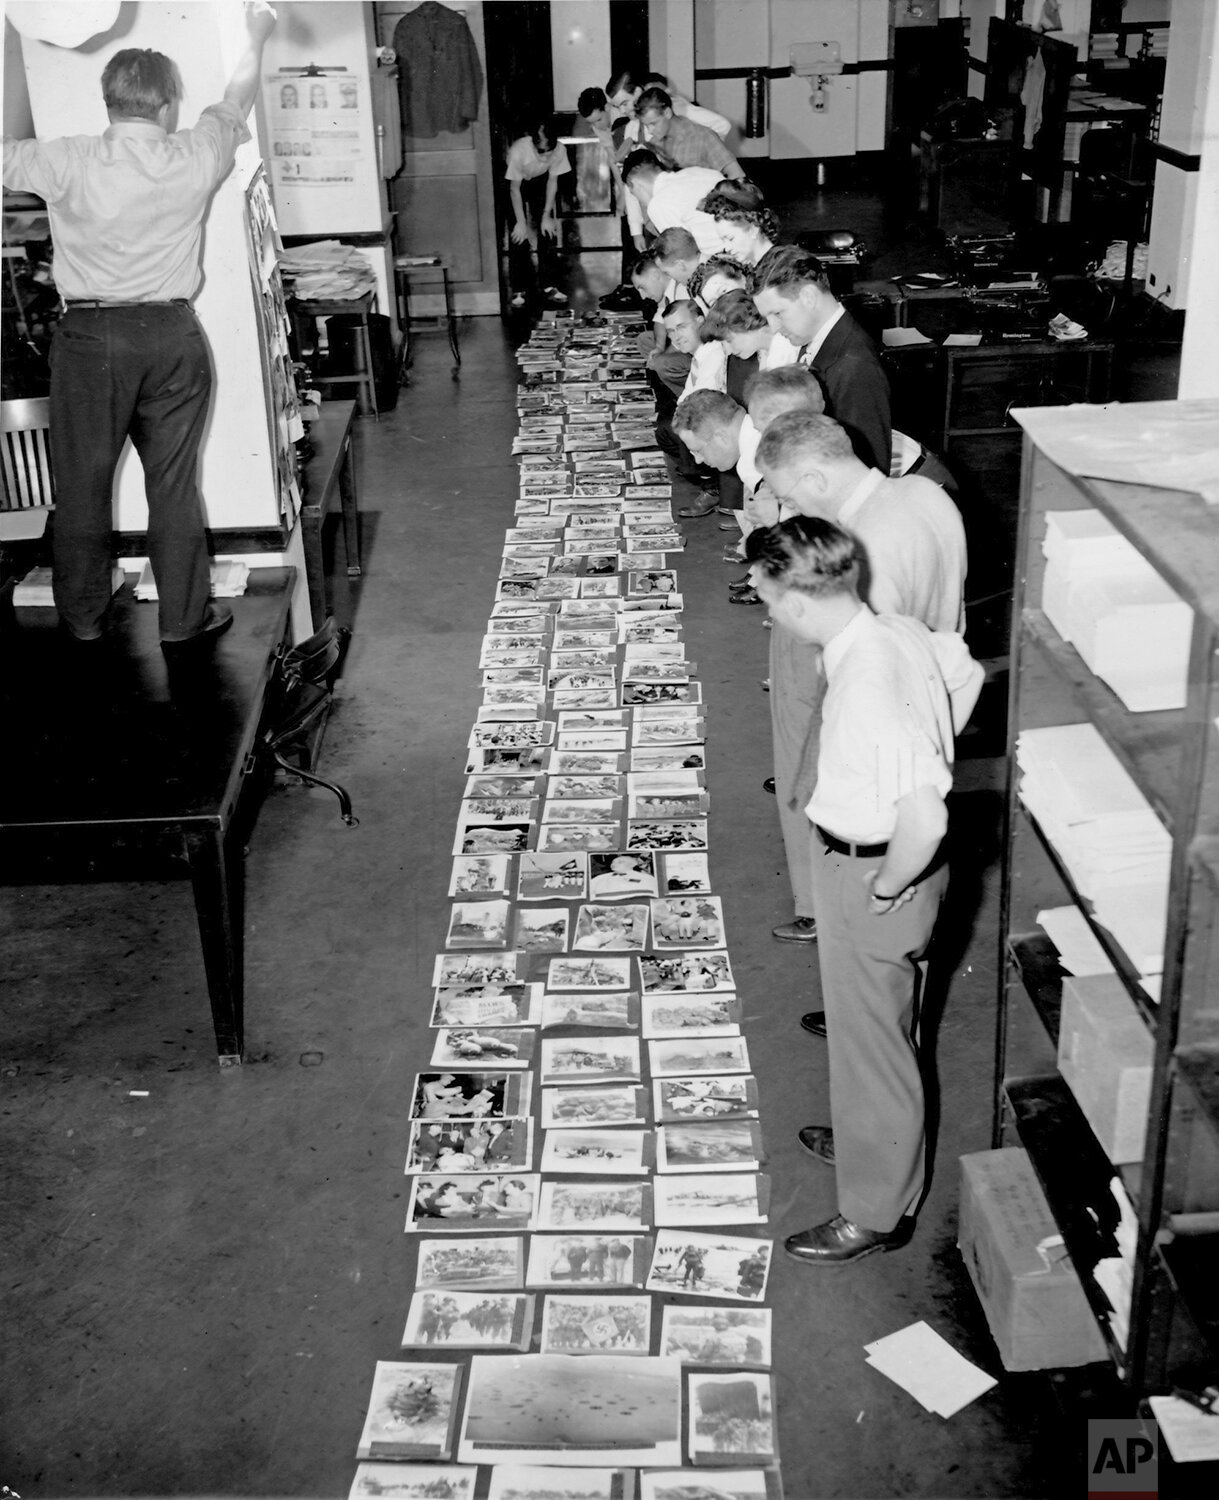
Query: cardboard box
x=1105, y=1053
x=1034, y=1304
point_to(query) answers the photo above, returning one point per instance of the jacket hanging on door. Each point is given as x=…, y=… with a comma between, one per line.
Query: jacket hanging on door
x=440, y=78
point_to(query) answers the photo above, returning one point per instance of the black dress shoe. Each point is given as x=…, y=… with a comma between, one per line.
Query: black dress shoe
x=769, y=785
x=798, y=930
x=818, y=1141
x=216, y=621
x=814, y=1021
x=745, y=596
x=739, y=585
x=838, y=1241
x=701, y=507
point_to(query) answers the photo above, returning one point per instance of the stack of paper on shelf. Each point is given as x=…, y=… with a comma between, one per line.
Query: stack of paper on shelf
x=229, y=580
x=34, y=590
x=1115, y=849
x=1110, y=604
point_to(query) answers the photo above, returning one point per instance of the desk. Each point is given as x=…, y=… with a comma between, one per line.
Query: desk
x=331, y=471
x=112, y=750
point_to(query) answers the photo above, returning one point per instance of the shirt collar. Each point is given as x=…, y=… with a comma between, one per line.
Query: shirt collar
x=147, y=128
x=833, y=651
x=854, y=501
x=811, y=350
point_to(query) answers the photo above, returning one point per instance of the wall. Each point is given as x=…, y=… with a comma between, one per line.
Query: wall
x=671, y=42
x=579, y=48
x=65, y=93
x=733, y=34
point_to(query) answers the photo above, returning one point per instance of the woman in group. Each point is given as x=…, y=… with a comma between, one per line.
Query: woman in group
x=747, y=227
x=744, y=332
x=536, y=161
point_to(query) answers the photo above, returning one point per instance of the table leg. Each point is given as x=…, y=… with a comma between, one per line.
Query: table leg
x=315, y=568
x=218, y=878
x=451, y=319
x=349, y=496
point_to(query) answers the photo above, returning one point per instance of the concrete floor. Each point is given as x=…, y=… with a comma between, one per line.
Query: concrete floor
x=197, y=1283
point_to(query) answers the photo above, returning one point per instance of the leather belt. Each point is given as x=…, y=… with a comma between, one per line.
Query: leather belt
x=857, y=851
x=918, y=463
x=85, y=302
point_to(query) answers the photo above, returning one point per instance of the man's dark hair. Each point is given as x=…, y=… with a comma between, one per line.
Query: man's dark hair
x=641, y=161
x=785, y=269
x=806, y=554
x=703, y=409
x=590, y=101
x=676, y=243
x=137, y=83
x=646, y=260
x=653, y=98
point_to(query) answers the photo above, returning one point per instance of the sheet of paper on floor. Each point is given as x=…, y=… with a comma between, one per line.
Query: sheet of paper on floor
x=929, y=1368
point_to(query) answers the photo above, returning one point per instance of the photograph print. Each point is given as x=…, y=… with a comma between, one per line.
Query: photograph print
x=581, y=1206
x=709, y=1145
x=731, y=1418
x=712, y=1198
x=610, y=1010
x=618, y=926
x=491, y=1044
x=597, y=1261
x=412, y=1411
x=471, y=1265
x=736, y=1336
x=601, y=973
x=688, y=971
x=462, y=1096
x=468, y=1320
x=714, y=1097
x=730, y=1484
x=478, y=924
x=589, y=1152
x=526, y=1482
x=500, y=1201
x=713, y=1054
x=688, y=922
x=413, y=1482
x=480, y=874
x=552, y=877
x=596, y=1325
x=458, y=1146
x=579, y=1108
x=602, y=1409
x=596, y=1059
x=487, y=1005
x=731, y=1267
x=675, y=1014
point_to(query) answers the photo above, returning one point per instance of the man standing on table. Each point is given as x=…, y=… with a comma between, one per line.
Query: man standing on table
x=896, y=695
x=129, y=357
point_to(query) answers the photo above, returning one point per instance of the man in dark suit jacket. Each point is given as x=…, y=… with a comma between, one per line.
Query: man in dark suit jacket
x=791, y=291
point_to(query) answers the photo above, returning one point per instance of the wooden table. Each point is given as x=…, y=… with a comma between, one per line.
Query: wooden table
x=330, y=472
x=113, y=751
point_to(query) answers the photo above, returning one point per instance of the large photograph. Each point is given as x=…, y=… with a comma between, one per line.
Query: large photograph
x=602, y=1409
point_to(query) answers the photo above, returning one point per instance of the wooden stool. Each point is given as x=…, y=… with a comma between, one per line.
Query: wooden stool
x=305, y=314
x=423, y=269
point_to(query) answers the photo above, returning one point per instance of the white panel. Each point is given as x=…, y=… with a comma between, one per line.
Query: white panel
x=671, y=42
x=873, y=93
x=66, y=98
x=732, y=34
x=796, y=128
x=579, y=48
x=333, y=35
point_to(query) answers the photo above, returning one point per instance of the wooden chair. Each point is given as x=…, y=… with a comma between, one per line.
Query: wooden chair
x=25, y=454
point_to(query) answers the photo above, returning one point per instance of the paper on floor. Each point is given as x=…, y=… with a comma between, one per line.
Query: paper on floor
x=929, y=1368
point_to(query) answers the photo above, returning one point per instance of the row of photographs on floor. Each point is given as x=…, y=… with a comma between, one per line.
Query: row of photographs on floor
x=468, y=1158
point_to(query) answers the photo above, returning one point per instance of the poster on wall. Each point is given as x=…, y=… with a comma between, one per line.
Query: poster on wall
x=317, y=120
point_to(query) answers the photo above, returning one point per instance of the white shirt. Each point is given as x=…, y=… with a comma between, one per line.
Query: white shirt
x=747, y=470
x=525, y=161
x=780, y=351
x=914, y=545
x=811, y=350
x=675, y=200
x=896, y=694
x=708, y=369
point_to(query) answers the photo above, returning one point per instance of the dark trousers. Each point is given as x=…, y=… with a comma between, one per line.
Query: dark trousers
x=140, y=372
x=521, y=274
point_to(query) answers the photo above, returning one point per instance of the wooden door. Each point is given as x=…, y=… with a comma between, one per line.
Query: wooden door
x=444, y=194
